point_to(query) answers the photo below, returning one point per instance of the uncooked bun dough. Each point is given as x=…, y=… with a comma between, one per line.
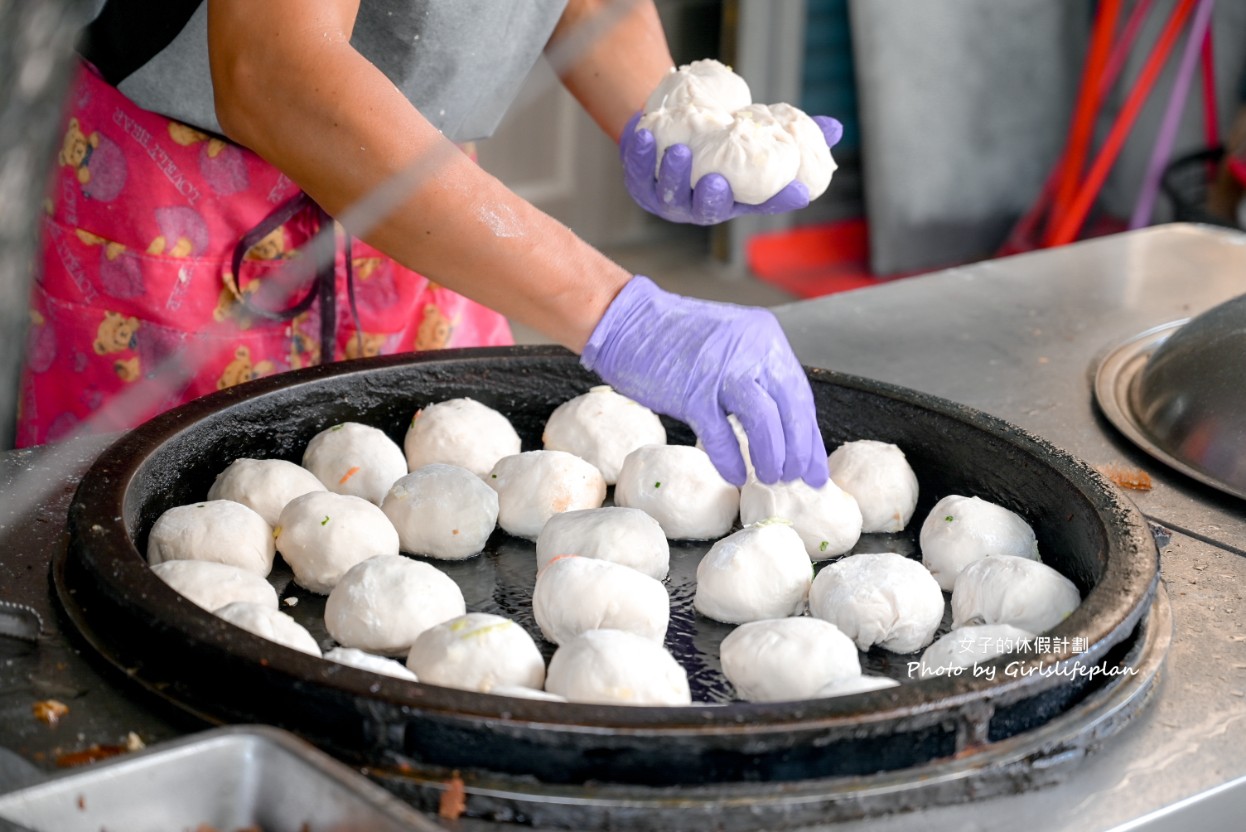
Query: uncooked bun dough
x=602, y=427
x=213, y=585
x=611, y=667
x=221, y=531
x=534, y=486
x=816, y=163
x=759, y=572
x=477, y=651
x=756, y=156
x=460, y=432
x=323, y=534
x=960, y=530
x=575, y=594
x=880, y=478
x=626, y=536
x=368, y=661
x=826, y=518
x=967, y=646
x=857, y=684
x=708, y=84
x=880, y=599
x=784, y=659
x=678, y=125
x=1004, y=589
x=265, y=485
x=384, y=603
x=270, y=624
x=759, y=149
x=442, y=511
x=678, y=486
x=355, y=459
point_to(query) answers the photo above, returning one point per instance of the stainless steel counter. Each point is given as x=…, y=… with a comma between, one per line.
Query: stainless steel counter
x=1017, y=338
x=1020, y=338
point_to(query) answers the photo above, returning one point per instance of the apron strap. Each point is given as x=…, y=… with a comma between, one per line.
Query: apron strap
x=324, y=290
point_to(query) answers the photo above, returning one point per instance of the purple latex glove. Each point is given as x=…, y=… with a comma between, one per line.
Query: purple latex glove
x=699, y=361
x=671, y=196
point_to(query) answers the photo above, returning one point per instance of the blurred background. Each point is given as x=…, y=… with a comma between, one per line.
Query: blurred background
x=973, y=129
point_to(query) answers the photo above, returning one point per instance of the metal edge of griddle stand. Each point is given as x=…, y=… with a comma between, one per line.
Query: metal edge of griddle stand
x=1037, y=759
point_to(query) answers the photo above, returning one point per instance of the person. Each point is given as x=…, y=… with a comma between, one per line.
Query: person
x=208, y=143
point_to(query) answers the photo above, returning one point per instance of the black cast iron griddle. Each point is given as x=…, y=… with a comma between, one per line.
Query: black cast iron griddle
x=1085, y=528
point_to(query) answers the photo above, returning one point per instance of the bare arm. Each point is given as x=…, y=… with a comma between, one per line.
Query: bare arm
x=291, y=88
x=612, y=71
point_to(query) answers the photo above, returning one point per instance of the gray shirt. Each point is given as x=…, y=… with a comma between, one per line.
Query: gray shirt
x=460, y=62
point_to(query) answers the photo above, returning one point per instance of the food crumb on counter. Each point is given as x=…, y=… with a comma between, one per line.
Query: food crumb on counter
x=49, y=711
x=1134, y=479
x=91, y=754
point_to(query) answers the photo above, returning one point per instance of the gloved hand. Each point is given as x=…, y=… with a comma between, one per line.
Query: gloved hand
x=671, y=196
x=699, y=361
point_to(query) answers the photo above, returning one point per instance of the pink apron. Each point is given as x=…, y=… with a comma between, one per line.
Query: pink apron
x=161, y=250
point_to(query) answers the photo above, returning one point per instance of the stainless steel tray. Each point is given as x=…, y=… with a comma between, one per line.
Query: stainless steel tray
x=225, y=778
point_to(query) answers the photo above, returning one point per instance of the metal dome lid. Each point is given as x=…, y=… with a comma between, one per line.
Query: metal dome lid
x=1179, y=392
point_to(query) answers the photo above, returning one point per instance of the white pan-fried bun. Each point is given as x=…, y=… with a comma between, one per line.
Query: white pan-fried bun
x=826, y=518
x=879, y=476
x=460, y=432
x=784, y=659
x=602, y=427
x=382, y=604
x=323, y=534
x=265, y=485
x=442, y=511
x=879, y=598
x=707, y=83
x=221, y=531
x=816, y=163
x=678, y=486
x=756, y=156
x=359, y=460
x=477, y=651
x=534, y=486
x=612, y=667
x=1005, y=589
x=759, y=572
x=960, y=530
x=213, y=585
x=371, y=662
x=627, y=536
x=270, y=624
x=575, y=594
x=967, y=646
